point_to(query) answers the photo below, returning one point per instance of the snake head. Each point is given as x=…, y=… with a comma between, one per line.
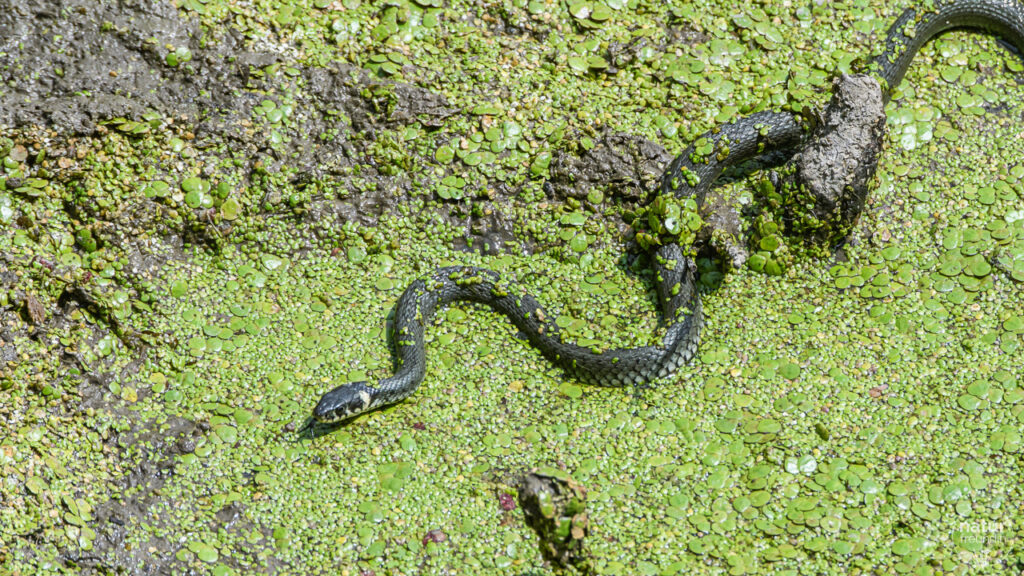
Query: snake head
x=344, y=402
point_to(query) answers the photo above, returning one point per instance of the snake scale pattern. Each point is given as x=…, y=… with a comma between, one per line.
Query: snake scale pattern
x=676, y=273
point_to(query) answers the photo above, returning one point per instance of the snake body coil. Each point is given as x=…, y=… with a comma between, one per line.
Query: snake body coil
x=676, y=274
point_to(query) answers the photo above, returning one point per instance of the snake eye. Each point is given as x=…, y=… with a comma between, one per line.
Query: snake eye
x=343, y=402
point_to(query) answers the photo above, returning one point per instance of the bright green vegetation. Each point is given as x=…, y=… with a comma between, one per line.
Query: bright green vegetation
x=843, y=416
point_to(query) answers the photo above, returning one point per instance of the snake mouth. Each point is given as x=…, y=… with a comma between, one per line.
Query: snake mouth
x=344, y=402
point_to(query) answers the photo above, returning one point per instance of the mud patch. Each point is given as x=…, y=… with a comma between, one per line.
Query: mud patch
x=383, y=105
x=71, y=64
x=77, y=68
x=491, y=233
x=627, y=166
x=155, y=449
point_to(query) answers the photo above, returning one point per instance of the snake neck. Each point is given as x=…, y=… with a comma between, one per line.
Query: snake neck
x=915, y=27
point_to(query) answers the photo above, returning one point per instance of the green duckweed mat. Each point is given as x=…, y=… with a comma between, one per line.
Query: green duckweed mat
x=190, y=258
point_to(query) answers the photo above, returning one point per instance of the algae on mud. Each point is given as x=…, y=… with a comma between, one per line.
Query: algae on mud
x=859, y=413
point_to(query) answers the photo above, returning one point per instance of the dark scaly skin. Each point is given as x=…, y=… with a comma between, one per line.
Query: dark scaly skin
x=1004, y=18
x=676, y=274
x=422, y=298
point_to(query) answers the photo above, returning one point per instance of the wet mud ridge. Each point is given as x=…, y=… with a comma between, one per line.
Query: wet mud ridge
x=74, y=66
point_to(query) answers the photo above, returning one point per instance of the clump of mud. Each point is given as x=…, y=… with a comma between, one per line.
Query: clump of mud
x=824, y=186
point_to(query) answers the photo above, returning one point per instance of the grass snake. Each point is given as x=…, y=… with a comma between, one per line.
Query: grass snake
x=675, y=272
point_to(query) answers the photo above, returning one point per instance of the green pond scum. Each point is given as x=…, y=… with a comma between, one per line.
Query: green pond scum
x=179, y=286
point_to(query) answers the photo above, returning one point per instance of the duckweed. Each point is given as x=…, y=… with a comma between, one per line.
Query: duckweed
x=853, y=412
